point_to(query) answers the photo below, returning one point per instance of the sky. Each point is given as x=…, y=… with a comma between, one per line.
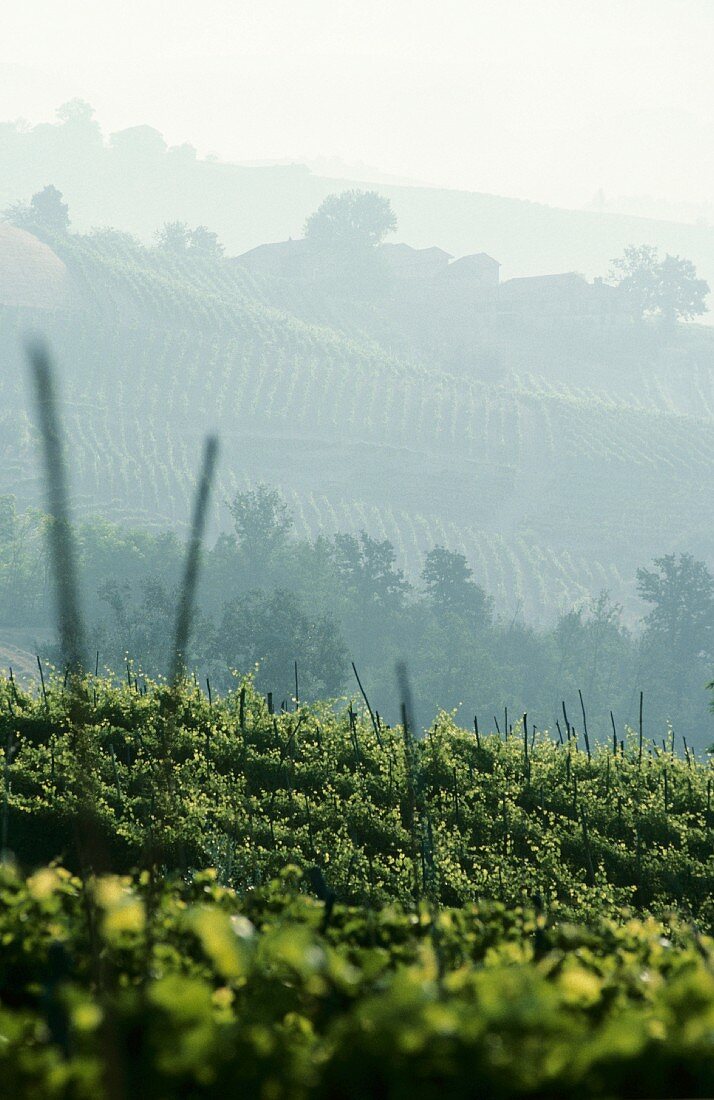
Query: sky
x=549, y=100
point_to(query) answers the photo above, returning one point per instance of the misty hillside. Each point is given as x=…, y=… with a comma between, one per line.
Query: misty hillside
x=553, y=489
x=132, y=180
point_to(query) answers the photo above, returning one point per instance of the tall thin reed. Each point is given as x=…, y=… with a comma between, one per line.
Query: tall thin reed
x=62, y=551
x=187, y=594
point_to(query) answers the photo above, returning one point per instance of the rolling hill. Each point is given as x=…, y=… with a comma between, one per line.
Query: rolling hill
x=553, y=489
x=132, y=180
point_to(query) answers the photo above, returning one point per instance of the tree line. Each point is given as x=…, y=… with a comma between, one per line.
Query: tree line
x=270, y=600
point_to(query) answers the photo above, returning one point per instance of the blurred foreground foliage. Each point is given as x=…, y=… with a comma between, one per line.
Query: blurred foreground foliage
x=119, y=986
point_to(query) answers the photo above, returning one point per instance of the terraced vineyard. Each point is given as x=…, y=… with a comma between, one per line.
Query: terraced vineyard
x=552, y=491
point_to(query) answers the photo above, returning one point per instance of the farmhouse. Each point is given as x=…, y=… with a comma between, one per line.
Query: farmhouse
x=282, y=259
x=432, y=275
x=480, y=269
x=31, y=274
x=406, y=262
x=566, y=293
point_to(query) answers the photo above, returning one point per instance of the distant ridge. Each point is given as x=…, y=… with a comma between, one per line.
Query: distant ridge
x=133, y=181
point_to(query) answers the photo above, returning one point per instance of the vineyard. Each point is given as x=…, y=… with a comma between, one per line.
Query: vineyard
x=383, y=914
x=553, y=492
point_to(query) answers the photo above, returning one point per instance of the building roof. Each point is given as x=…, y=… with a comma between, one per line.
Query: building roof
x=476, y=259
x=31, y=274
x=407, y=250
x=275, y=248
x=544, y=282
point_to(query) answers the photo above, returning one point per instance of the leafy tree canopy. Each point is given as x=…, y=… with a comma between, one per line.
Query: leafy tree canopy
x=178, y=239
x=448, y=581
x=262, y=521
x=681, y=592
x=77, y=112
x=667, y=288
x=273, y=631
x=45, y=214
x=367, y=568
x=351, y=220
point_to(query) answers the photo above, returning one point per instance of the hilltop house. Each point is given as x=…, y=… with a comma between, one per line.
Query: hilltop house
x=285, y=259
x=480, y=269
x=406, y=262
x=432, y=275
x=301, y=259
x=567, y=293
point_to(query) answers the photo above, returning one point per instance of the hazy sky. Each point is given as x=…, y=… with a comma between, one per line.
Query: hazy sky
x=543, y=99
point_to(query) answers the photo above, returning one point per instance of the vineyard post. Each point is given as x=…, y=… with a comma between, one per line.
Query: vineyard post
x=686, y=752
x=13, y=685
x=375, y=724
x=585, y=725
x=406, y=711
x=42, y=681
x=639, y=753
x=565, y=717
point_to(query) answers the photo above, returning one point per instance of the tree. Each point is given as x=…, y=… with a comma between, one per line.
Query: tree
x=681, y=293
x=274, y=630
x=681, y=592
x=351, y=221
x=178, y=239
x=45, y=215
x=141, y=624
x=77, y=112
x=667, y=288
x=448, y=581
x=367, y=567
x=262, y=522
x=204, y=242
x=173, y=237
